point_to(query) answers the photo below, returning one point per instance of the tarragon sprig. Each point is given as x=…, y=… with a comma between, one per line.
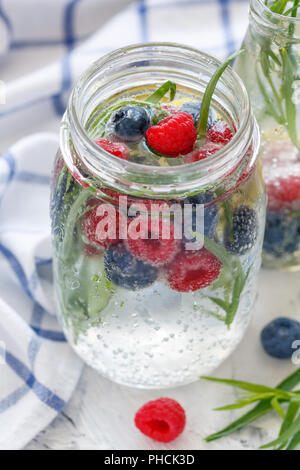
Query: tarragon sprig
x=268, y=399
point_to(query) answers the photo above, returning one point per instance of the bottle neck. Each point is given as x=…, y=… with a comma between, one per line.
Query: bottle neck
x=280, y=29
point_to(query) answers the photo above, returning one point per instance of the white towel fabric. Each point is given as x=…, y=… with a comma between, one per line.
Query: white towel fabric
x=41, y=55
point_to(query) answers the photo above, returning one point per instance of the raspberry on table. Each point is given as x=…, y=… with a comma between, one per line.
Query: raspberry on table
x=129, y=123
x=116, y=149
x=193, y=270
x=124, y=270
x=162, y=420
x=173, y=136
x=92, y=219
x=243, y=235
x=219, y=133
x=278, y=337
x=153, y=245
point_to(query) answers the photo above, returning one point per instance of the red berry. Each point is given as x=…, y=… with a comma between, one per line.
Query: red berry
x=118, y=150
x=163, y=420
x=201, y=154
x=173, y=135
x=105, y=233
x=193, y=270
x=219, y=133
x=154, y=245
x=284, y=193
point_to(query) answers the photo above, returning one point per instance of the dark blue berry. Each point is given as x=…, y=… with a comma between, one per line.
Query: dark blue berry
x=282, y=235
x=211, y=213
x=129, y=123
x=124, y=270
x=194, y=108
x=278, y=337
x=242, y=235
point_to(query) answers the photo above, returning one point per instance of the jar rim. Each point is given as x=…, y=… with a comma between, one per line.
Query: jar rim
x=101, y=163
x=276, y=21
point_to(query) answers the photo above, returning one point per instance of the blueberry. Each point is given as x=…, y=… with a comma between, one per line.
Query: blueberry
x=124, y=270
x=282, y=235
x=211, y=213
x=241, y=237
x=129, y=123
x=278, y=337
x=194, y=108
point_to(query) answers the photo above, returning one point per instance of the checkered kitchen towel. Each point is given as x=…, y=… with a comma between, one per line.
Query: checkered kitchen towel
x=42, y=52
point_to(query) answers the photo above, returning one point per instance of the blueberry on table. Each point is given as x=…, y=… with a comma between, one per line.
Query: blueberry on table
x=194, y=108
x=282, y=235
x=242, y=235
x=129, y=123
x=278, y=337
x=124, y=270
x=211, y=213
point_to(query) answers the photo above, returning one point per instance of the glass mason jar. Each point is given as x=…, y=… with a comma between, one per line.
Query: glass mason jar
x=128, y=319
x=270, y=69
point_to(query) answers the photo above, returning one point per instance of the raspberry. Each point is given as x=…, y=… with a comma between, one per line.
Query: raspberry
x=118, y=150
x=284, y=192
x=201, y=154
x=193, y=270
x=162, y=420
x=153, y=245
x=173, y=136
x=219, y=133
x=104, y=236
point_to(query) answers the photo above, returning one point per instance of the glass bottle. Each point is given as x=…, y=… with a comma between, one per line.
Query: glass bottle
x=270, y=69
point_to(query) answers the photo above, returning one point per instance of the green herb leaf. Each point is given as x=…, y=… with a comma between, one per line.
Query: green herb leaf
x=249, y=387
x=288, y=91
x=156, y=97
x=207, y=97
x=290, y=433
x=261, y=409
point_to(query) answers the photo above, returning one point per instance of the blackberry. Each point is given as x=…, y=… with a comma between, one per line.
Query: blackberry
x=278, y=337
x=129, y=123
x=124, y=270
x=241, y=237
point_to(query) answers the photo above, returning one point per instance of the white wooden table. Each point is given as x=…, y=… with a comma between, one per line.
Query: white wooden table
x=100, y=414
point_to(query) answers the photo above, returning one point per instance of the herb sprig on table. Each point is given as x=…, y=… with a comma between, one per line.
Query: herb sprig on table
x=282, y=62
x=282, y=399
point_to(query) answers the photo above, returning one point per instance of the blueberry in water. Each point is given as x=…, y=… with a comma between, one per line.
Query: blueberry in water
x=194, y=108
x=282, y=235
x=129, y=123
x=241, y=237
x=279, y=336
x=211, y=213
x=124, y=270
